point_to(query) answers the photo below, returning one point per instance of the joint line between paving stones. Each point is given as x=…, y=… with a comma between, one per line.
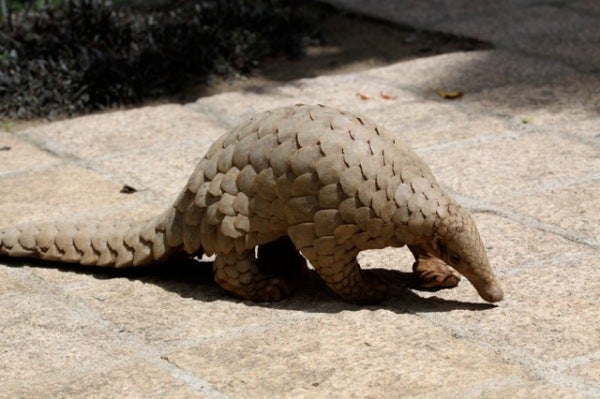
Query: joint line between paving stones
x=566, y=260
x=531, y=222
x=70, y=159
x=182, y=145
x=469, y=142
x=48, y=147
x=544, y=370
x=562, y=364
x=501, y=136
x=554, y=131
x=193, y=381
x=237, y=332
x=557, y=131
x=207, y=110
x=131, y=341
x=216, y=114
x=558, y=184
x=145, y=353
x=528, y=221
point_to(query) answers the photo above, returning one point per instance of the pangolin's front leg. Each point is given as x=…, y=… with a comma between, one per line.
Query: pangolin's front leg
x=336, y=264
x=431, y=273
x=350, y=282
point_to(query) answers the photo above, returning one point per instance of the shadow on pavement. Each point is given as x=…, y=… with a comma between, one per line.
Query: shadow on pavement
x=193, y=279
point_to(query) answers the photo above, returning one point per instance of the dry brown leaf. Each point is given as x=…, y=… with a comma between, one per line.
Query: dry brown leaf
x=387, y=96
x=363, y=96
x=450, y=94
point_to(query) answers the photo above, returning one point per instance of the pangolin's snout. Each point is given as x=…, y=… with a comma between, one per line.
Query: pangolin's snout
x=492, y=294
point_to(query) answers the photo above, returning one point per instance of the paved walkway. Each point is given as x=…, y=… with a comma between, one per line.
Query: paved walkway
x=521, y=148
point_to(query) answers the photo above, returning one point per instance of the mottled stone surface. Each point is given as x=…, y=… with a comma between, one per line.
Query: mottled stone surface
x=521, y=149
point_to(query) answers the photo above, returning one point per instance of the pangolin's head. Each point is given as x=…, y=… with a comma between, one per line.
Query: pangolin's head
x=457, y=242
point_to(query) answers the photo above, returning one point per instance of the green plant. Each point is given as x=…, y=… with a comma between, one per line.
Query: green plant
x=87, y=55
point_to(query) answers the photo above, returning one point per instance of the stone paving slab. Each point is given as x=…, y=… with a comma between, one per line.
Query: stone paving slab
x=568, y=201
x=17, y=155
x=521, y=149
x=351, y=343
x=519, y=161
x=56, y=192
x=112, y=132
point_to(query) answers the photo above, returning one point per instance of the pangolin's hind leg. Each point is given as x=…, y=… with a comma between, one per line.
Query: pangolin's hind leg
x=281, y=258
x=431, y=273
x=239, y=274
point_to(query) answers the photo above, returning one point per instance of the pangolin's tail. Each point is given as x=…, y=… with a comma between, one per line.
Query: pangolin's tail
x=118, y=244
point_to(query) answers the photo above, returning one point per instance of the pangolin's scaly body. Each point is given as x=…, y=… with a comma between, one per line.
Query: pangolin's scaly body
x=332, y=183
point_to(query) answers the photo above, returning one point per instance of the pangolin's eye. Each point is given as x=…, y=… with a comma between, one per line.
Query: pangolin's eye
x=454, y=259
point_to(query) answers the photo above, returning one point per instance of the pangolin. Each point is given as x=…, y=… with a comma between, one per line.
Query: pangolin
x=298, y=179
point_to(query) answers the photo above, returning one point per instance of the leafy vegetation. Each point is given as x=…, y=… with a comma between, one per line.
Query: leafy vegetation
x=84, y=55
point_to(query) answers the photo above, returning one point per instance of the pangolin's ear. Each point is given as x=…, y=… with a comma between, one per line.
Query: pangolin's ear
x=440, y=246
